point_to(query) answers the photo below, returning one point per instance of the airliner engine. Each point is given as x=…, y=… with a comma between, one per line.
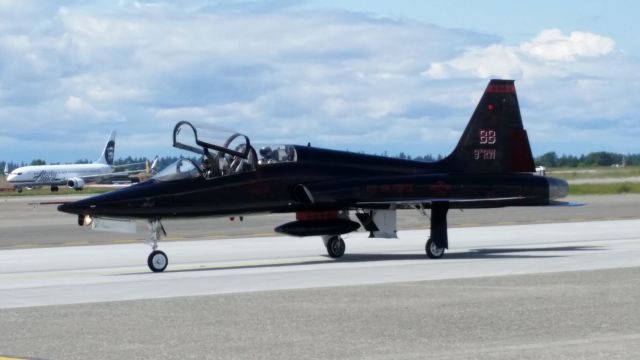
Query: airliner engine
x=75, y=183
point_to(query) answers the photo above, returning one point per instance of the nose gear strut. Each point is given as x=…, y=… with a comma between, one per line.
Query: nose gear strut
x=157, y=260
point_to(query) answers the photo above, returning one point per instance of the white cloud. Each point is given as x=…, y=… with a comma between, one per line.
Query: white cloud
x=74, y=103
x=492, y=61
x=279, y=73
x=553, y=45
x=549, y=54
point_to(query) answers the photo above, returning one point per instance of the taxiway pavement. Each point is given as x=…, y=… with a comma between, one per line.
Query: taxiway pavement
x=561, y=290
x=24, y=224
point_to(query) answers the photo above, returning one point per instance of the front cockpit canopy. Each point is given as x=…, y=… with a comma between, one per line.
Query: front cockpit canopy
x=181, y=169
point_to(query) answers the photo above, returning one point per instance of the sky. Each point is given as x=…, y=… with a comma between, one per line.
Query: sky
x=372, y=76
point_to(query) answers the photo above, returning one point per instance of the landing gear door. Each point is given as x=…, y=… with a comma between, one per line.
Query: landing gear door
x=379, y=223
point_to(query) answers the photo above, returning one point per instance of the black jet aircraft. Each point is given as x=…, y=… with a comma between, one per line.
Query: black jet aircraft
x=491, y=166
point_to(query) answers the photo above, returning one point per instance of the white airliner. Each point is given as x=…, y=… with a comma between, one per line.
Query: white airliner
x=73, y=175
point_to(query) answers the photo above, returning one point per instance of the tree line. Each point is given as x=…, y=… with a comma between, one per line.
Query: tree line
x=550, y=159
x=599, y=158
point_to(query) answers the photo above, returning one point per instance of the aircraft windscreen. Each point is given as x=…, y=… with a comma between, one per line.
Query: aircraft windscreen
x=181, y=169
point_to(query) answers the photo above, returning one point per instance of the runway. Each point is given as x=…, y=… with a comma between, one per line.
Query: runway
x=85, y=274
x=249, y=298
x=529, y=291
x=24, y=224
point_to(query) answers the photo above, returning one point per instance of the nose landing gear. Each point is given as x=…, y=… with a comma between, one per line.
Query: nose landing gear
x=157, y=260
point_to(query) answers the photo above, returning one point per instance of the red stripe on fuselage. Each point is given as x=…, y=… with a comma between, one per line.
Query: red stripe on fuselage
x=316, y=215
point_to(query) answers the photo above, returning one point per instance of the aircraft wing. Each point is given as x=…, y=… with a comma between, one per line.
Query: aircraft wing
x=419, y=203
x=566, y=203
x=438, y=199
x=405, y=194
x=130, y=164
x=477, y=202
x=154, y=163
x=96, y=177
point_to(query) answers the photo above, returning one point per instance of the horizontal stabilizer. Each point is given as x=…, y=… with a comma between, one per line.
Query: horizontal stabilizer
x=566, y=203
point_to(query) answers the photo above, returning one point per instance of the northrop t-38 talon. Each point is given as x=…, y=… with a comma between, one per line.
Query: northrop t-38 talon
x=491, y=167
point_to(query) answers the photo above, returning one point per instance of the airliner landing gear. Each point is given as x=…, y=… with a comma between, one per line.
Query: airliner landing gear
x=157, y=260
x=335, y=245
x=439, y=240
x=54, y=188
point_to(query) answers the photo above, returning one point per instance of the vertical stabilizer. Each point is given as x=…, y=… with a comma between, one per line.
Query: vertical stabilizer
x=107, y=155
x=494, y=140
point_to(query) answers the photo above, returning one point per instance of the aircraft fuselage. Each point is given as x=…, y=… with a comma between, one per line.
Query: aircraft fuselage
x=354, y=181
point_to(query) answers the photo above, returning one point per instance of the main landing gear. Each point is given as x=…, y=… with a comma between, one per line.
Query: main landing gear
x=335, y=245
x=433, y=251
x=439, y=241
x=157, y=260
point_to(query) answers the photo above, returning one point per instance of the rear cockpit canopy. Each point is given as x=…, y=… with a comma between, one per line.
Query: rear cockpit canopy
x=273, y=154
x=225, y=152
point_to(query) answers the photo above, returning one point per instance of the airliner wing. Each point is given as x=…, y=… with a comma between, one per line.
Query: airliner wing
x=96, y=177
x=130, y=164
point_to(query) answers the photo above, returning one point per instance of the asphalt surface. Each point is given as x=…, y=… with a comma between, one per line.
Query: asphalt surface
x=565, y=288
x=25, y=224
x=573, y=315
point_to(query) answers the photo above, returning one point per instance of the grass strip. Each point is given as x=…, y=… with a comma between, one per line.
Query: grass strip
x=604, y=189
x=61, y=191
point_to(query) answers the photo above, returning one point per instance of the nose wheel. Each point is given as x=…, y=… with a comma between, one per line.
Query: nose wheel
x=157, y=260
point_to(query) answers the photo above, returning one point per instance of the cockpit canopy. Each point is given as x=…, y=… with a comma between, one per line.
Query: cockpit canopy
x=225, y=152
x=181, y=169
x=272, y=154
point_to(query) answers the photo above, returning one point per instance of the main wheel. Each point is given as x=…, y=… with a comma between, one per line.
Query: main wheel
x=433, y=251
x=54, y=188
x=335, y=247
x=157, y=261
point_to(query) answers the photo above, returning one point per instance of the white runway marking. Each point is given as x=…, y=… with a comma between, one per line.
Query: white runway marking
x=85, y=274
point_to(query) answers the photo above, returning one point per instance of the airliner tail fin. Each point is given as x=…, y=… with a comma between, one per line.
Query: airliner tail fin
x=107, y=155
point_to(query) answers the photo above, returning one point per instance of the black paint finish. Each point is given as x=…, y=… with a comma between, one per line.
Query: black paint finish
x=491, y=166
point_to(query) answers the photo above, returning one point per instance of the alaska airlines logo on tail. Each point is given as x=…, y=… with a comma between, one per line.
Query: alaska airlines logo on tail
x=109, y=151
